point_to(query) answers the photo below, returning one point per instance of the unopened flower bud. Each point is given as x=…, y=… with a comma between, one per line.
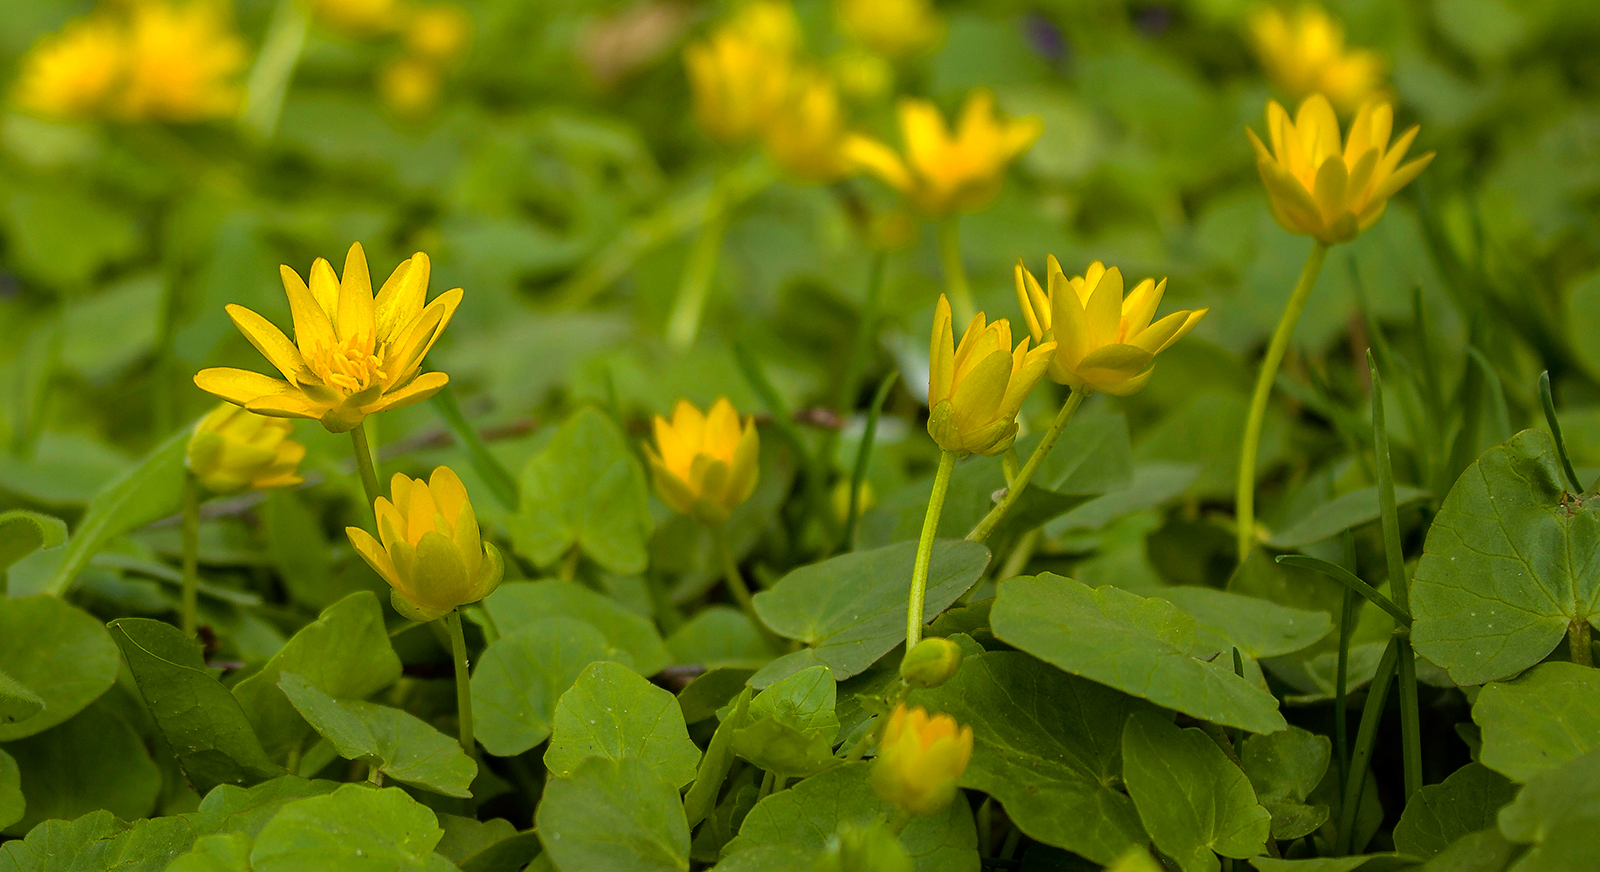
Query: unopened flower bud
x=931, y=663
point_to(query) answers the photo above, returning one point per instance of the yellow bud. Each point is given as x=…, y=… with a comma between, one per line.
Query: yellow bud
x=931, y=663
x=1304, y=53
x=975, y=390
x=704, y=465
x=920, y=760
x=893, y=28
x=233, y=450
x=439, y=33
x=1104, y=340
x=409, y=87
x=866, y=498
x=429, y=549
x=806, y=138
x=740, y=76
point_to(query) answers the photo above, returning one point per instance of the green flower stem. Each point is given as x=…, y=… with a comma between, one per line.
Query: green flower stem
x=458, y=651
x=369, y=473
x=1366, y=735
x=736, y=585
x=1579, y=651
x=1341, y=699
x=1245, y=498
x=930, y=529
x=269, y=78
x=955, y=272
x=191, y=550
x=695, y=286
x=1015, y=489
x=1399, y=590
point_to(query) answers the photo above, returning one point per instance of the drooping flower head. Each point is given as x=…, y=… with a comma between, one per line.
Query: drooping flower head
x=892, y=28
x=233, y=450
x=182, y=62
x=920, y=760
x=740, y=74
x=429, y=549
x=1104, y=341
x=353, y=355
x=976, y=389
x=704, y=465
x=1304, y=53
x=72, y=73
x=942, y=174
x=1318, y=189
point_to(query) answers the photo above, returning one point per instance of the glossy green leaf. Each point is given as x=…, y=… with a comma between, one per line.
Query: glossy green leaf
x=1341, y=513
x=791, y=725
x=23, y=532
x=1551, y=798
x=12, y=803
x=352, y=829
x=1284, y=768
x=1438, y=815
x=517, y=604
x=804, y=701
x=511, y=854
x=246, y=810
x=1367, y=863
x=58, y=654
x=712, y=690
x=464, y=836
x=1542, y=720
x=219, y=852
x=611, y=712
x=720, y=636
x=701, y=797
x=1260, y=628
x=95, y=760
x=613, y=814
x=1482, y=851
x=520, y=676
x=64, y=846
x=17, y=703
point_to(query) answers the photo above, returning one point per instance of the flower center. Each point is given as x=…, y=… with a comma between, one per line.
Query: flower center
x=349, y=365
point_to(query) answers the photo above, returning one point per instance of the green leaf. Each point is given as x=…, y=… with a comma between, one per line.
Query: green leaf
x=1153, y=484
x=1510, y=562
x=720, y=636
x=1284, y=768
x=1260, y=628
x=399, y=744
x=1483, y=851
x=300, y=548
x=95, y=760
x=517, y=604
x=1368, y=863
x=352, y=829
x=701, y=797
x=1333, y=517
x=867, y=848
x=464, y=836
x=1553, y=798
x=510, y=854
x=712, y=690
x=54, y=653
x=1046, y=746
x=782, y=749
x=1194, y=803
x=199, y=718
x=345, y=653
x=221, y=852
x=613, y=814
x=1467, y=801
x=64, y=846
x=246, y=810
x=804, y=701
x=791, y=726
x=611, y=712
x=1142, y=646
x=520, y=677
x=800, y=821
x=12, y=803
x=1542, y=720
x=149, y=845
x=852, y=608
x=23, y=532
x=586, y=490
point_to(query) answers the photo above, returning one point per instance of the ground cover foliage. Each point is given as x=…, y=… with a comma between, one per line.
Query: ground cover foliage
x=482, y=592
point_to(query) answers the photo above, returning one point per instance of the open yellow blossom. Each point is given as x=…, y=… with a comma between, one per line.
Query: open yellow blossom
x=1104, y=341
x=353, y=355
x=233, y=450
x=72, y=74
x=409, y=87
x=428, y=548
x=920, y=760
x=439, y=32
x=1303, y=52
x=893, y=28
x=807, y=138
x=1318, y=190
x=976, y=389
x=182, y=61
x=740, y=75
x=704, y=466
x=943, y=174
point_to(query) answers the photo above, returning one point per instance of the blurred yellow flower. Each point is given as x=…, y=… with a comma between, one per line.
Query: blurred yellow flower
x=1304, y=53
x=182, y=58
x=429, y=549
x=861, y=75
x=943, y=174
x=409, y=87
x=233, y=450
x=975, y=390
x=438, y=32
x=707, y=464
x=807, y=137
x=740, y=74
x=893, y=28
x=1104, y=342
x=920, y=760
x=353, y=355
x=71, y=74
x=1317, y=190
x=359, y=17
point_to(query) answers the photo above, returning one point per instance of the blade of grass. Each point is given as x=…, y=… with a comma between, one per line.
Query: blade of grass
x=1349, y=580
x=1549, y=404
x=499, y=479
x=858, y=474
x=1341, y=681
x=1366, y=734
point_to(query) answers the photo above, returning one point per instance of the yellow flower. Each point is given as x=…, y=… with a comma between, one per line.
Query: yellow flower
x=1104, y=342
x=707, y=464
x=409, y=87
x=1304, y=53
x=353, y=356
x=975, y=390
x=740, y=75
x=429, y=549
x=893, y=28
x=71, y=74
x=807, y=137
x=358, y=17
x=920, y=760
x=942, y=174
x=182, y=58
x=1317, y=190
x=439, y=33
x=233, y=450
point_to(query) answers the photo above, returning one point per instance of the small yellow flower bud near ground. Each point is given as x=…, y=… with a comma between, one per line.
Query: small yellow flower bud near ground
x=704, y=465
x=233, y=450
x=920, y=760
x=1304, y=53
x=976, y=389
x=943, y=174
x=353, y=355
x=1104, y=341
x=409, y=87
x=429, y=549
x=439, y=33
x=1317, y=189
x=931, y=663
x=892, y=28
x=807, y=138
x=71, y=74
x=866, y=498
x=740, y=75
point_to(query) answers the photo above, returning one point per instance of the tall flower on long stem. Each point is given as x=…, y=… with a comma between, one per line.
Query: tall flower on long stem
x=1303, y=51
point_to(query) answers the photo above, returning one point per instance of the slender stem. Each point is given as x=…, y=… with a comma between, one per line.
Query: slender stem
x=858, y=473
x=1341, y=681
x=863, y=744
x=767, y=781
x=955, y=272
x=458, y=651
x=1013, y=839
x=1020, y=554
x=369, y=473
x=1015, y=489
x=683, y=324
x=930, y=531
x=865, y=329
x=1579, y=651
x=569, y=564
x=191, y=550
x=986, y=826
x=1245, y=498
x=736, y=585
x=269, y=78
x=1366, y=735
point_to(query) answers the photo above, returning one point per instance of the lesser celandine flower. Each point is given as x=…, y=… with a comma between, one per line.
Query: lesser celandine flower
x=353, y=355
x=976, y=389
x=439, y=32
x=1105, y=341
x=740, y=74
x=704, y=465
x=428, y=548
x=233, y=450
x=807, y=137
x=893, y=28
x=920, y=760
x=1318, y=188
x=1304, y=53
x=944, y=173
x=71, y=74
x=182, y=58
